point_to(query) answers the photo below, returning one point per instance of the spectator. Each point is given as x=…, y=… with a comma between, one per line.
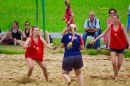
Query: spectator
x=28, y=32
x=14, y=33
x=92, y=28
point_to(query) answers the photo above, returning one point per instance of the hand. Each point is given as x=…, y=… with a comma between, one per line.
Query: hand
x=92, y=42
x=96, y=30
x=54, y=48
x=63, y=19
x=68, y=22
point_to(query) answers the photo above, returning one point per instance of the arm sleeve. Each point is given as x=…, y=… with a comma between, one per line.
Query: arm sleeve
x=85, y=24
x=63, y=39
x=81, y=40
x=97, y=24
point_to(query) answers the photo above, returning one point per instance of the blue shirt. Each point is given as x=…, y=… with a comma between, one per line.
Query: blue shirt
x=92, y=24
x=75, y=45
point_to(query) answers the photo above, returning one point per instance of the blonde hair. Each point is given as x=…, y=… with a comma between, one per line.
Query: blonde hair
x=73, y=30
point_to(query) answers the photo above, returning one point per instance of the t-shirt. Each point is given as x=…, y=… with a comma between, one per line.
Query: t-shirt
x=75, y=50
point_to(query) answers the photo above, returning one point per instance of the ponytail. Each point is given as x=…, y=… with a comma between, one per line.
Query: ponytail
x=73, y=29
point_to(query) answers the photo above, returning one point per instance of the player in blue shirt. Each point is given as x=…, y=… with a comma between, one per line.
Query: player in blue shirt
x=72, y=43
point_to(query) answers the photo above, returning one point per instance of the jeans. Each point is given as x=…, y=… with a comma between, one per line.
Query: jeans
x=96, y=34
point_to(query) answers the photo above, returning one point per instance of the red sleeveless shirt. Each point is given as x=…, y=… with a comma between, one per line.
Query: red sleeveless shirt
x=35, y=51
x=118, y=40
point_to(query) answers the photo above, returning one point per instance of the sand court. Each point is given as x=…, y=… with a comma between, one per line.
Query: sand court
x=97, y=71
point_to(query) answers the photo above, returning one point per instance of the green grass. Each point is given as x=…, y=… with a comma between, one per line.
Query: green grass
x=11, y=49
x=22, y=11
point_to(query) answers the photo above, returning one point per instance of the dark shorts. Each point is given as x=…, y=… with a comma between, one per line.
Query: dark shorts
x=117, y=50
x=71, y=62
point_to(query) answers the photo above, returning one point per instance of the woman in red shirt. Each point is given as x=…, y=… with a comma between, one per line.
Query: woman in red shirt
x=34, y=46
x=68, y=17
x=118, y=41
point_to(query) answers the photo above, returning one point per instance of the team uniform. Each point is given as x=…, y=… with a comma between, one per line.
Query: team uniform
x=67, y=16
x=118, y=40
x=72, y=57
x=35, y=51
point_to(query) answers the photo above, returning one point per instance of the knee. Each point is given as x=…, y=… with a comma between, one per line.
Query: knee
x=31, y=67
x=114, y=63
x=77, y=73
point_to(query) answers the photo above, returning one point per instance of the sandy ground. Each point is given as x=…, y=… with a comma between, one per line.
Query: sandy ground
x=97, y=71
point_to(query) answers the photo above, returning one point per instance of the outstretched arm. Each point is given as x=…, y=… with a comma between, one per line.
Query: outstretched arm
x=47, y=45
x=101, y=35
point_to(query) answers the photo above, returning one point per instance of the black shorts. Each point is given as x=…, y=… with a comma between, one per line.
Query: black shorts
x=117, y=50
x=71, y=62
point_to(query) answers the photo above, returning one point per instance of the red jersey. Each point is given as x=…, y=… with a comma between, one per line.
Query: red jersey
x=118, y=40
x=35, y=51
x=67, y=15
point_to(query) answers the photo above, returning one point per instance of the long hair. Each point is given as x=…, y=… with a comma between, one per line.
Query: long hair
x=73, y=30
x=16, y=22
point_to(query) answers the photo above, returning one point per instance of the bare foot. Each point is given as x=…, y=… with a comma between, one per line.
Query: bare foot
x=68, y=84
x=115, y=77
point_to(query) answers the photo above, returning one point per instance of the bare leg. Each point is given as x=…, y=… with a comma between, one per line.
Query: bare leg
x=65, y=31
x=66, y=76
x=79, y=76
x=31, y=66
x=20, y=42
x=7, y=35
x=47, y=37
x=114, y=64
x=43, y=66
x=120, y=60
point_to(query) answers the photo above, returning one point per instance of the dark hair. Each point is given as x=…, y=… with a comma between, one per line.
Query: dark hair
x=116, y=15
x=17, y=24
x=34, y=27
x=27, y=22
x=111, y=10
x=67, y=3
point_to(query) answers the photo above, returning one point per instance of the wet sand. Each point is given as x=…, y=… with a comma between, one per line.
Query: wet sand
x=97, y=71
